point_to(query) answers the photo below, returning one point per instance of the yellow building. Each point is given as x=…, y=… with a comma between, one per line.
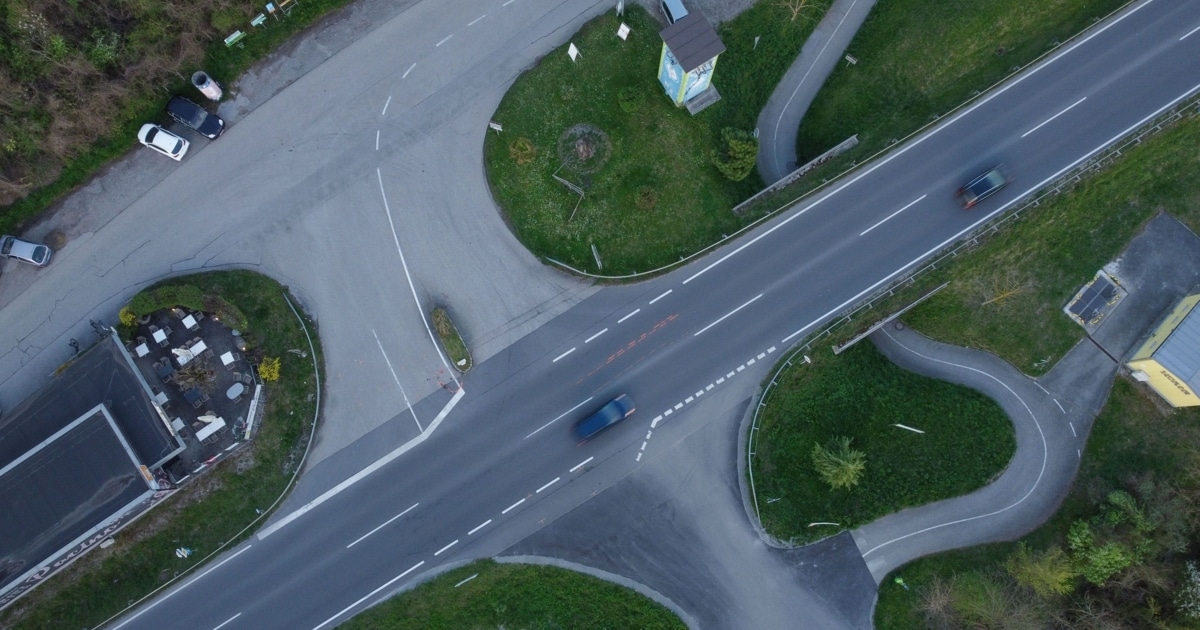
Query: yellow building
x=1169, y=361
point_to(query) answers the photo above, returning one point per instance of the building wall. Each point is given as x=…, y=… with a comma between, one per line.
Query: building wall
x=1145, y=368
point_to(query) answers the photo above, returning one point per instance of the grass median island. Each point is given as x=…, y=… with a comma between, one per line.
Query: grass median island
x=603, y=123
x=516, y=596
x=216, y=505
x=860, y=395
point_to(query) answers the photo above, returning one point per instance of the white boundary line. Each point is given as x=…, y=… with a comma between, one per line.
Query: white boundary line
x=360, y=475
x=1041, y=472
x=182, y=586
x=726, y=315
x=589, y=398
x=385, y=524
x=364, y=598
x=397, y=379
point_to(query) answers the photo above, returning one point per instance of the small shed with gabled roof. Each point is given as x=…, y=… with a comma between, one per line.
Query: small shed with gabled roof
x=1169, y=360
x=689, y=57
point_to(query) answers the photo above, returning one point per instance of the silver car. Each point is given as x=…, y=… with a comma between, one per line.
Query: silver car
x=163, y=141
x=32, y=253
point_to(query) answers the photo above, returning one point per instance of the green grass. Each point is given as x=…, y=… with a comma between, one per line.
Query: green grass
x=215, y=506
x=516, y=596
x=1133, y=434
x=658, y=197
x=860, y=394
x=451, y=340
x=921, y=58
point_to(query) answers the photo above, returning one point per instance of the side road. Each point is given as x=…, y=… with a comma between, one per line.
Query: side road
x=1051, y=429
x=780, y=119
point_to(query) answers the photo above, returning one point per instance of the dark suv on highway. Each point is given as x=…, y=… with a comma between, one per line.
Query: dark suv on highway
x=196, y=117
x=615, y=411
x=982, y=187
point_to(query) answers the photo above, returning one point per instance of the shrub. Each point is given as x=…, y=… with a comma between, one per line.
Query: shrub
x=522, y=151
x=1048, y=574
x=269, y=369
x=740, y=153
x=126, y=316
x=628, y=99
x=838, y=464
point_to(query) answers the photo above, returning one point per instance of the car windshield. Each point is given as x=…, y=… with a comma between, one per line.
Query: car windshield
x=6, y=246
x=151, y=134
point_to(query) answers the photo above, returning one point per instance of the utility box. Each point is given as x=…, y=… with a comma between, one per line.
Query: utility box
x=206, y=85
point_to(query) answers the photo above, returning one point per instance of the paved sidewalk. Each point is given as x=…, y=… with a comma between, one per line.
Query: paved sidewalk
x=780, y=119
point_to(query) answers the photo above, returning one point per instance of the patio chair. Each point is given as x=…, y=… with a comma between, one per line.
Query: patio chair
x=247, y=378
x=199, y=401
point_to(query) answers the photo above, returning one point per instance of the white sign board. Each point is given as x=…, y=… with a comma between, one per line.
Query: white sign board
x=572, y=51
x=623, y=31
x=496, y=126
x=620, y=7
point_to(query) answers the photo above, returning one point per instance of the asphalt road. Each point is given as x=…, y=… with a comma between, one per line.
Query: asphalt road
x=503, y=465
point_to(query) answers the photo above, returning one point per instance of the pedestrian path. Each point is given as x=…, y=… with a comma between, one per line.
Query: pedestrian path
x=780, y=119
x=1051, y=430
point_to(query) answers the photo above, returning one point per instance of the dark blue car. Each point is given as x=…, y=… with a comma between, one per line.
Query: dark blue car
x=615, y=411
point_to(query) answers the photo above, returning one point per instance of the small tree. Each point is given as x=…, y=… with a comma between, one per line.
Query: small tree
x=739, y=155
x=1187, y=600
x=1049, y=573
x=269, y=369
x=839, y=465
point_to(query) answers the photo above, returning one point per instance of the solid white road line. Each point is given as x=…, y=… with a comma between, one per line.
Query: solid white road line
x=1068, y=108
x=360, y=475
x=581, y=464
x=668, y=292
x=635, y=312
x=397, y=379
x=910, y=204
x=368, y=595
x=189, y=583
x=226, y=622
x=991, y=95
x=385, y=524
x=988, y=217
x=396, y=239
x=748, y=303
x=480, y=526
x=589, y=398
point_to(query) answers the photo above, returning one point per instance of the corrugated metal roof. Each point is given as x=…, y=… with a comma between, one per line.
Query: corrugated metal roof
x=692, y=40
x=1180, y=353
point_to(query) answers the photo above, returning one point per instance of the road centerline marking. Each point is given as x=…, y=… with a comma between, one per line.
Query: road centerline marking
x=589, y=398
x=548, y=484
x=480, y=526
x=443, y=549
x=665, y=294
x=726, y=315
x=385, y=524
x=509, y=508
x=582, y=464
x=1044, y=122
x=635, y=312
x=563, y=355
x=589, y=339
x=885, y=219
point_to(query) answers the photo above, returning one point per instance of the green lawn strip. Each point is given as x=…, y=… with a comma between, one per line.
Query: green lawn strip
x=1132, y=436
x=859, y=394
x=919, y=59
x=1043, y=259
x=215, y=506
x=516, y=596
x=658, y=197
x=451, y=340
x=136, y=108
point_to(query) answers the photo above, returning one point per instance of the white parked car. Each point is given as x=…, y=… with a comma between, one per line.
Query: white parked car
x=163, y=141
x=33, y=253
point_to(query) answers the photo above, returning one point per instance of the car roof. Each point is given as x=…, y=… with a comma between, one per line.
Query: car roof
x=24, y=249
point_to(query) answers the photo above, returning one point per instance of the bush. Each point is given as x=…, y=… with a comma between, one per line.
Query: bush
x=839, y=465
x=628, y=99
x=739, y=155
x=269, y=369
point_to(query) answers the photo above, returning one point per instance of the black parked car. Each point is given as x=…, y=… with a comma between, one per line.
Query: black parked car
x=196, y=117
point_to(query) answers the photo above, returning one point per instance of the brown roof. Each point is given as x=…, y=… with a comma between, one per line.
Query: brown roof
x=692, y=40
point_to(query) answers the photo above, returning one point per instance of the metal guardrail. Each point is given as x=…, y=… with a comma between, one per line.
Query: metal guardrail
x=1188, y=108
